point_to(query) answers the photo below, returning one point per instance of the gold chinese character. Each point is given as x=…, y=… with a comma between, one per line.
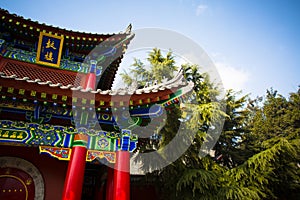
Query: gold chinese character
x=49, y=56
x=50, y=44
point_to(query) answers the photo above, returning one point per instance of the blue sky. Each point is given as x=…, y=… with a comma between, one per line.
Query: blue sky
x=255, y=44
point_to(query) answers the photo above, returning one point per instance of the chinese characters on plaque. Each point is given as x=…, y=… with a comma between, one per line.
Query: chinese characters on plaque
x=49, y=49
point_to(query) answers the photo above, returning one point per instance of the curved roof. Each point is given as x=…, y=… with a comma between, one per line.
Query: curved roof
x=32, y=77
x=30, y=30
x=26, y=30
x=31, y=71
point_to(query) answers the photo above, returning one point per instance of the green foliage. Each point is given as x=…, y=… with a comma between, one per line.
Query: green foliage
x=230, y=146
x=258, y=151
x=263, y=163
x=276, y=124
x=160, y=68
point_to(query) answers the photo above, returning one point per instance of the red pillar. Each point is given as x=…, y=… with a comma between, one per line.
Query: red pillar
x=110, y=184
x=90, y=81
x=122, y=176
x=76, y=167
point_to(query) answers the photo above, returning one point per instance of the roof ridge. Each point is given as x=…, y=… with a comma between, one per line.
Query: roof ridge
x=4, y=13
x=160, y=87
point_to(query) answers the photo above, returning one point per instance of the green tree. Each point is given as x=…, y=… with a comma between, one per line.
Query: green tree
x=230, y=150
x=259, y=143
x=277, y=122
x=161, y=67
x=271, y=144
x=174, y=180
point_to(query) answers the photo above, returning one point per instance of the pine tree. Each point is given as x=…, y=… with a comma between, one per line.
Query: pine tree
x=161, y=67
x=270, y=171
x=259, y=144
x=230, y=150
x=276, y=124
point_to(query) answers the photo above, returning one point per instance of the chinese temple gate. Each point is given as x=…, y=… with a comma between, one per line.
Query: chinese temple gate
x=58, y=113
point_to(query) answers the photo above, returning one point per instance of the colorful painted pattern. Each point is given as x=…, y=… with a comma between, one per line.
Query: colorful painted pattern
x=65, y=63
x=109, y=156
x=57, y=152
x=34, y=134
x=65, y=154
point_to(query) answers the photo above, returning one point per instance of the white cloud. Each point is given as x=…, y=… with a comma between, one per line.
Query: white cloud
x=232, y=78
x=201, y=9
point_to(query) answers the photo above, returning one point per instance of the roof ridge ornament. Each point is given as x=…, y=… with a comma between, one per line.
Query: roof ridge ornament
x=128, y=29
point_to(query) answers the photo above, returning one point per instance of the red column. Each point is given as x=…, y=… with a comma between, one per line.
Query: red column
x=122, y=176
x=110, y=183
x=90, y=81
x=76, y=167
